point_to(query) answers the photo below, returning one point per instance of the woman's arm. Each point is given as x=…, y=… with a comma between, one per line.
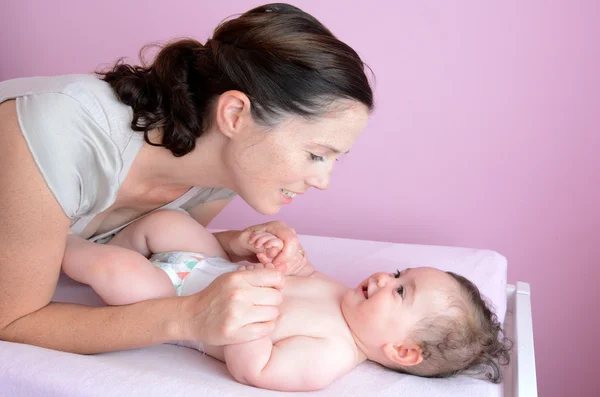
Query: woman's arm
x=234, y=308
x=88, y=330
x=33, y=235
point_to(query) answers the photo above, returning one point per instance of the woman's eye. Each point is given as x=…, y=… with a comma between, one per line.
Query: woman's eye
x=314, y=157
x=401, y=291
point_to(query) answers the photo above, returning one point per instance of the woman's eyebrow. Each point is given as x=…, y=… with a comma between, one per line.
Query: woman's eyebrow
x=332, y=149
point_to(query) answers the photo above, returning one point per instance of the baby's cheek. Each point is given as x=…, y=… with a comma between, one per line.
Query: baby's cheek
x=366, y=314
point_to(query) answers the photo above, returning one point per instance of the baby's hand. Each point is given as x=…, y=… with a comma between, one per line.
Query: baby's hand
x=267, y=247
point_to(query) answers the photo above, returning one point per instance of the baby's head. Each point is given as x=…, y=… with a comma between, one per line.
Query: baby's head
x=426, y=322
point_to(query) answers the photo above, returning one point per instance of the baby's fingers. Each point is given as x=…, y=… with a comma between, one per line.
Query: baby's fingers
x=268, y=241
x=257, y=235
x=274, y=243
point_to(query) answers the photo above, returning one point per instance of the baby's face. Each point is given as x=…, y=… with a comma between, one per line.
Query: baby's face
x=385, y=307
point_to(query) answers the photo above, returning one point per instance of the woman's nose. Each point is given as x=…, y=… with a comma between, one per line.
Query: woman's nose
x=320, y=181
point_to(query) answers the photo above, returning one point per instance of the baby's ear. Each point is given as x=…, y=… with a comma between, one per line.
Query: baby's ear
x=406, y=354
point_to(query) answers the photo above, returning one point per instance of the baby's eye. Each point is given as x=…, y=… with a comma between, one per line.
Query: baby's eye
x=400, y=291
x=314, y=157
x=396, y=274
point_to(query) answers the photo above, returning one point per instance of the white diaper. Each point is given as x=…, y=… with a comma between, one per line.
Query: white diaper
x=191, y=272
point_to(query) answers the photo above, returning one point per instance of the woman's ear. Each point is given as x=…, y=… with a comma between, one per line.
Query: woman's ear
x=232, y=113
x=407, y=354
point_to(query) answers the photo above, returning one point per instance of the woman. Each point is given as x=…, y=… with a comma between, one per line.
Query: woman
x=261, y=110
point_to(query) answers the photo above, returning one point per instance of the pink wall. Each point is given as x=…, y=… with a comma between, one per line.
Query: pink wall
x=486, y=135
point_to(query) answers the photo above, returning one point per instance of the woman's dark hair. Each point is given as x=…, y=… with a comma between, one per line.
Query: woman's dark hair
x=468, y=339
x=282, y=58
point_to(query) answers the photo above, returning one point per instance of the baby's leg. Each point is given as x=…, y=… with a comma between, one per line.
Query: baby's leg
x=120, y=272
x=119, y=276
x=172, y=238
x=164, y=231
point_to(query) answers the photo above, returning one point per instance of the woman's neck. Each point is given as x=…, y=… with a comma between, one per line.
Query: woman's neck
x=156, y=166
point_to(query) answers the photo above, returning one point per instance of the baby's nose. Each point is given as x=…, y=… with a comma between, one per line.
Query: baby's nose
x=381, y=279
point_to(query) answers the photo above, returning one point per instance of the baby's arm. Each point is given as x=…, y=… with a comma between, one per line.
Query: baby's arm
x=297, y=363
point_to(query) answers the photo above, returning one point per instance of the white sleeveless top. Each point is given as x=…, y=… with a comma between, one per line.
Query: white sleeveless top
x=80, y=137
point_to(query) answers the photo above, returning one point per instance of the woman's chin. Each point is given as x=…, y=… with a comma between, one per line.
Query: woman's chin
x=264, y=208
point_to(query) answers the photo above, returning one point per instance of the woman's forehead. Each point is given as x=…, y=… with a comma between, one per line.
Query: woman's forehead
x=341, y=127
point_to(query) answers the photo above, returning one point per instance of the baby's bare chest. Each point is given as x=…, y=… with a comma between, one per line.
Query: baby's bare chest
x=311, y=307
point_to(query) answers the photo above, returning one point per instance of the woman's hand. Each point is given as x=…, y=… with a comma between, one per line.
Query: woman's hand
x=236, y=307
x=247, y=245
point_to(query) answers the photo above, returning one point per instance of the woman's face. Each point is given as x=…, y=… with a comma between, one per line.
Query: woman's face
x=270, y=167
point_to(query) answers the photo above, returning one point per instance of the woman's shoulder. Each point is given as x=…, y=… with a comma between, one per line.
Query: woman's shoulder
x=75, y=95
x=87, y=90
x=70, y=84
x=79, y=136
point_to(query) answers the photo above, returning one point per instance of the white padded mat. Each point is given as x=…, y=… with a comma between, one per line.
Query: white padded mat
x=168, y=370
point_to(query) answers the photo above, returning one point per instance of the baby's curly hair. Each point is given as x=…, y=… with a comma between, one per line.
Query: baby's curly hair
x=467, y=338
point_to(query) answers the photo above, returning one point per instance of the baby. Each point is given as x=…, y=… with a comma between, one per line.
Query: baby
x=421, y=321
